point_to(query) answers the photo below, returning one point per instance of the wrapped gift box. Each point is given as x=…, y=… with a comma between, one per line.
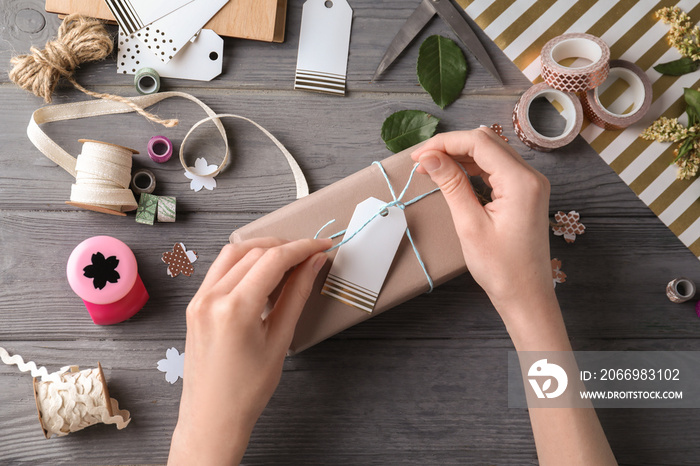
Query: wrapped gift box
x=429, y=221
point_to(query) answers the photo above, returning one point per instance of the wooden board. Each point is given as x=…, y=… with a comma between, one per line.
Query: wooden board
x=246, y=19
x=423, y=384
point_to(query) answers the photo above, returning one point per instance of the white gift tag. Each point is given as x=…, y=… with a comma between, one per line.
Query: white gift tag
x=324, y=42
x=361, y=264
x=166, y=36
x=201, y=60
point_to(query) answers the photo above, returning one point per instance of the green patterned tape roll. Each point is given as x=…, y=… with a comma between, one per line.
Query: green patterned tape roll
x=146, y=213
x=166, y=209
x=147, y=81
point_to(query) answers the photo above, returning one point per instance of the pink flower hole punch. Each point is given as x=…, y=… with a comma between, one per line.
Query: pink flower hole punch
x=102, y=270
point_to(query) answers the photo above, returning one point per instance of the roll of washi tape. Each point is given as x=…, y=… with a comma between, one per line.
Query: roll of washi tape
x=572, y=112
x=146, y=213
x=160, y=149
x=617, y=116
x=166, y=209
x=143, y=181
x=147, y=81
x=571, y=78
x=103, y=271
x=680, y=290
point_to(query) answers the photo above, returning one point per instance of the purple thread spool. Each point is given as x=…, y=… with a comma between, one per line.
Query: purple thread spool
x=160, y=149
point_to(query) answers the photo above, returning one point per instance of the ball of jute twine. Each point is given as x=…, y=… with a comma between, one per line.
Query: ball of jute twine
x=79, y=40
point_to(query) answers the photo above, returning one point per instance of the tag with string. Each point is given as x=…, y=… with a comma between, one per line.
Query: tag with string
x=361, y=265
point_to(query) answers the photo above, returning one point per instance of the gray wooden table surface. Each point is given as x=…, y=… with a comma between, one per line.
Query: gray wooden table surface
x=422, y=384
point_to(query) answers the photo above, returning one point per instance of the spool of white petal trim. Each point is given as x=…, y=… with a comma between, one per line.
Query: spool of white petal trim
x=69, y=400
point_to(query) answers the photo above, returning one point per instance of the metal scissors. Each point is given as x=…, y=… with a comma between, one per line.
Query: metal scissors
x=419, y=18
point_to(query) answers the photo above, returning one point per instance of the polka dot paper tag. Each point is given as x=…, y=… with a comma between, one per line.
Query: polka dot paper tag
x=568, y=225
x=166, y=36
x=180, y=260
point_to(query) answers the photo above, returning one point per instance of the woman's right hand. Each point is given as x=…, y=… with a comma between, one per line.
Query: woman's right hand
x=505, y=242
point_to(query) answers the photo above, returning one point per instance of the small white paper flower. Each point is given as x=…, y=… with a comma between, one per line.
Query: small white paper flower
x=199, y=175
x=173, y=365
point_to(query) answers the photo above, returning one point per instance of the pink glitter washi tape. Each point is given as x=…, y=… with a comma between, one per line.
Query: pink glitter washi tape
x=160, y=149
x=103, y=271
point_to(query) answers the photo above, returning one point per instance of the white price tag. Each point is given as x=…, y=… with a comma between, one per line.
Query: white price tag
x=361, y=264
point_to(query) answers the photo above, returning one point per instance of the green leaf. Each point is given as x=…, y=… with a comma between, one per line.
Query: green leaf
x=441, y=69
x=685, y=147
x=407, y=128
x=692, y=101
x=678, y=67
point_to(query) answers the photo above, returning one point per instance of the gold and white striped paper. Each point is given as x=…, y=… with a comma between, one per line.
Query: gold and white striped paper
x=521, y=27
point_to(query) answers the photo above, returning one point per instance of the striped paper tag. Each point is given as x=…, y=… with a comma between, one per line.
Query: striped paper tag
x=361, y=264
x=521, y=27
x=324, y=43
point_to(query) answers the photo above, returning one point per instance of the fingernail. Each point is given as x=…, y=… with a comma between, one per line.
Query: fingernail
x=430, y=162
x=319, y=262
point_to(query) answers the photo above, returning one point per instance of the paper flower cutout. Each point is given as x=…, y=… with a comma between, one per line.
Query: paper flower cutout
x=498, y=129
x=568, y=225
x=102, y=270
x=179, y=260
x=201, y=175
x=557, y=275
x=173, y=365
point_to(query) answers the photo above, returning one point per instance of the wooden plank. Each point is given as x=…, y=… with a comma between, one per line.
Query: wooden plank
x=379, y=402
x=421, y=384
x=329, y=141
x=609, y=282
x=247, y=19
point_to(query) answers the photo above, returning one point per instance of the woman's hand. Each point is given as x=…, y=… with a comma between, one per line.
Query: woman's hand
x=505, y=242
x=506, y=247
x=234, y=358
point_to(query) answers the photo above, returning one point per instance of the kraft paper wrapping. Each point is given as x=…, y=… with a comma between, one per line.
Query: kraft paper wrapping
x=430, y=223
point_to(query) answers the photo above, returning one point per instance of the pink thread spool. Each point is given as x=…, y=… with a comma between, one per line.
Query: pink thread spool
x=102, y=270
x=160, y=149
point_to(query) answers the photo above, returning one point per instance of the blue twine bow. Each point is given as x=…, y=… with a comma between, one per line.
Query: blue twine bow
x=397, y=202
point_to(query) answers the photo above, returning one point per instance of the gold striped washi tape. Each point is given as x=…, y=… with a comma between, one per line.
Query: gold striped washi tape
x=522, y=27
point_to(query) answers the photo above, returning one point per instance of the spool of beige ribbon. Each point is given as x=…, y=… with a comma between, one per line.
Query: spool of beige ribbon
x=102, y=178
x=69, y=399
x=572, y=112
x=617, y=116
x=575, y=78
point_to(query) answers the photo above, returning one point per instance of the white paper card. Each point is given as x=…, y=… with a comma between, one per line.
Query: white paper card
x=361, y=265
x=170, y=33
x=324, y=42
x=200, y=60
x=133, y=15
